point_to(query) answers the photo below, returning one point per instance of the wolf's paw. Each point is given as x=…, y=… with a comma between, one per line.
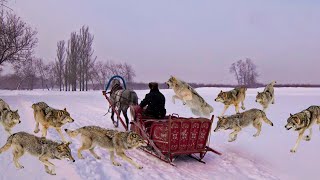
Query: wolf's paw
x=307, y=138
x=293, y=151
x=255, y=135
x=20, y=167
x=36, y=131
x=173, y=101
x=98, y=157
x=116, y=163
x=231, y=140
x=184, y=103
x=80, y=156
x=272, y=103
x=53, y=173
x=243, y=108
x=140, y=167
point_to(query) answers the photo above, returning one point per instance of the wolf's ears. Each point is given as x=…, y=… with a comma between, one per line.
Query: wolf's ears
x=221, y=91
x=291, y=115
x=172, y=77
x=65, y=109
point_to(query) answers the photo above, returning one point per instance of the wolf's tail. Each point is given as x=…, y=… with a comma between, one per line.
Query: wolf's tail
x=71, y=133
x=265, y=119
x=7, y=146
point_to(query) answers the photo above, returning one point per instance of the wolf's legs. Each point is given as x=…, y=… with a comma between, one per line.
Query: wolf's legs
x=174, y=97
x=86, y=144
x=242, y=105
x=44, y=131
x=294, y=149
x=36, y=130
x=234, y=134
x=126, y=158
x=17, y=153
x=48, y=164
x=308, y=137
x=257, y=125
x=237, y=108
x=94, y=153
x=8, y=131
x=60, y=134
x=225, y=109
x=273, y=100
x=115, y=163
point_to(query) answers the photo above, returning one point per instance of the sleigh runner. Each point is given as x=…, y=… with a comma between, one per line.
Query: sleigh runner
x=169, y=137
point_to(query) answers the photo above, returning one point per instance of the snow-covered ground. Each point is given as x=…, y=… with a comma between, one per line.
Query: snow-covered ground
x=265, y=157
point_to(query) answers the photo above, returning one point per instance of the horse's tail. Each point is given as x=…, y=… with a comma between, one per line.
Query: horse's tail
x=134, y=98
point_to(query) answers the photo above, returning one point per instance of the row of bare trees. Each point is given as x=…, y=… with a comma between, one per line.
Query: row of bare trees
x=74, y=68
x=76, y=65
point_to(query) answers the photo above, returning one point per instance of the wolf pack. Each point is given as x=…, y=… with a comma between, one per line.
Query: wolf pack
x=118, y=142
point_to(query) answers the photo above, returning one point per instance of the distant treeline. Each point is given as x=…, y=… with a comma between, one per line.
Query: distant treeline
x=9, y=83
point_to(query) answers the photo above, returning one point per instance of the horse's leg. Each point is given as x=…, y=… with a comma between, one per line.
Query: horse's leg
x=118, y=116
x=124, y=111
x=112, y=115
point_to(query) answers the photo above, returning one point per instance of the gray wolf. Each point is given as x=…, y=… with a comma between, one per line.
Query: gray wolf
x=50, y=117
x=189, y=97
x=241, y=120
x=233, y=97
x=42, y=148
x=112, y=140
x=267, y=96
x=121, y=99
x=9, y=119
x=302, y=121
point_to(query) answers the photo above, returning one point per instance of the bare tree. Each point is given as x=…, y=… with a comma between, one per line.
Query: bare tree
x=86, y=56
x=51, y=75
x=42, y=70
x=73, y=60
x=26, y=71
x=245, y=72
x=17, y=39
x=60, y=62
x=129, y=72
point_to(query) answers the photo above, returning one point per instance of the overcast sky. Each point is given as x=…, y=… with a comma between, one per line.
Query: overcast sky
x=194, y=40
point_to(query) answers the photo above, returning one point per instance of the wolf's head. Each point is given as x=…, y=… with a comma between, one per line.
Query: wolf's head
x=221, y=124
x=172, y=82
x=63, y=151
x=294, y=122
x=222, y=97
x=11, y=116
x=134, y=140
x=260, y=97
x=65, y=116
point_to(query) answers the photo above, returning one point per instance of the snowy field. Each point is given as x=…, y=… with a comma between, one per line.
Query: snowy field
x=265, y=157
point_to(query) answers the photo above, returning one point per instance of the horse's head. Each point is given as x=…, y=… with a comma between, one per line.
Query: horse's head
x=115, y=82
